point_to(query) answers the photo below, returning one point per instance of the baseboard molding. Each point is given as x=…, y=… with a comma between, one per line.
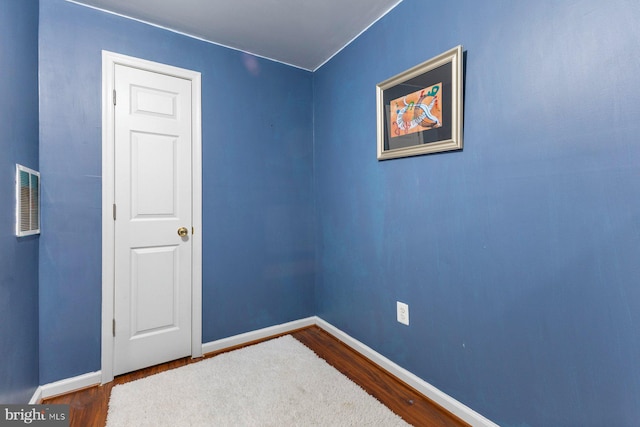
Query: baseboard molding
x=67, y=385
x=444, y=400
x=447, y=402
x=37, y=396
x=256, y=335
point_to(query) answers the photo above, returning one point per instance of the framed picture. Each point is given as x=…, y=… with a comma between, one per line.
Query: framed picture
x=420, y=110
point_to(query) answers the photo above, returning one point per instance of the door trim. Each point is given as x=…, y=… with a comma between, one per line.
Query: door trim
x=109, y=61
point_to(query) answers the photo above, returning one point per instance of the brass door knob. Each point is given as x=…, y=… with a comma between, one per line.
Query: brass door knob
x=182, y=231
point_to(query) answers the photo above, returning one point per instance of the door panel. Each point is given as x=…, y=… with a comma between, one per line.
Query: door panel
x=153, y=191
x=154, y=277
x=154, y=102
x=154, y=183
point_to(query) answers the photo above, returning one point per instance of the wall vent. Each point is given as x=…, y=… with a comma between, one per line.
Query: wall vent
x=27, y=201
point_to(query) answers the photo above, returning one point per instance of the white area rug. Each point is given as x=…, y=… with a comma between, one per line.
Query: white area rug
x=275, y=383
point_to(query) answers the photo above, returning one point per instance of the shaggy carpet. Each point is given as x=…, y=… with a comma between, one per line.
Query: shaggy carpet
x=275, y=383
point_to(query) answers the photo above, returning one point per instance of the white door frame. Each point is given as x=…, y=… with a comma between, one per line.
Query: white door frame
x=109, y=61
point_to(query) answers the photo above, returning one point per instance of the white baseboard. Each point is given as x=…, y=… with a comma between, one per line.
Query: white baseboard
x=95, y=378
x=67, y=385
x=447, y=402
x=259, y=334
x=37, y=396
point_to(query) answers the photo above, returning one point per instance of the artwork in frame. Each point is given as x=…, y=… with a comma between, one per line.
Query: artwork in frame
x=420, y=109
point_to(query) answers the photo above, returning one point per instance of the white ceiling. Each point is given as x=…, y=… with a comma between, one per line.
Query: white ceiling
x=302, y=33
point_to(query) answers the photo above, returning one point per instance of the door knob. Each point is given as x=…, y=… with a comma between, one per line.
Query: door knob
x=182, y=231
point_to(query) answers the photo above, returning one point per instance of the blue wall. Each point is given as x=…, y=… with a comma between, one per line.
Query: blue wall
x=519, y=257
x=258, y=198
x=18, y=144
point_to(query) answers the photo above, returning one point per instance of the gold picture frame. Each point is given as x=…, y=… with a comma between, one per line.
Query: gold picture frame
x=419, y=111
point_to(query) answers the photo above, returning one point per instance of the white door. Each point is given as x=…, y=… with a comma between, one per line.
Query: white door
x=153, y=225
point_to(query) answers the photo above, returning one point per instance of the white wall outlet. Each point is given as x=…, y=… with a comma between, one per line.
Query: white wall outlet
x=403, y=312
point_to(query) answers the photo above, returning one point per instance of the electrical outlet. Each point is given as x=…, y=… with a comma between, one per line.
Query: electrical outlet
x=403, y=312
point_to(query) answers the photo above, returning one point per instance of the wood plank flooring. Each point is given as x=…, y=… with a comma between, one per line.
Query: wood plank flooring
x=88, y=407
x=402, y=399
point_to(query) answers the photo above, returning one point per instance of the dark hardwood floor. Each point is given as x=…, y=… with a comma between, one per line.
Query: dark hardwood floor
x=411, y=405
x=88, y=407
